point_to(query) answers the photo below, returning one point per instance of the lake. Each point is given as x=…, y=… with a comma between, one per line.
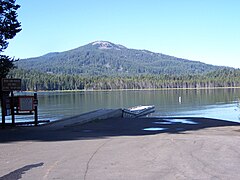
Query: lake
x=210, y=103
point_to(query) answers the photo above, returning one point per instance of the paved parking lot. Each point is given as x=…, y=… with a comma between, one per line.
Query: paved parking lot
x=117, y=148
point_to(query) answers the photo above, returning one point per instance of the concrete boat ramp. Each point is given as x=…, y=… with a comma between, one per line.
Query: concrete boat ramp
x=99, y=114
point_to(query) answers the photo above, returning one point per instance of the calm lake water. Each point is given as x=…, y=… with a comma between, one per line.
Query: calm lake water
x=211, y=103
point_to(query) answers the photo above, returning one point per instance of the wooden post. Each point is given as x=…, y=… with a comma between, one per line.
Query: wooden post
x=35, y=103
x=2, y=104
x=3, y=110
x=12, y=109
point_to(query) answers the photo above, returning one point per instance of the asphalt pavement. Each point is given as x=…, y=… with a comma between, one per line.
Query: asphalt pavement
x=121, y=149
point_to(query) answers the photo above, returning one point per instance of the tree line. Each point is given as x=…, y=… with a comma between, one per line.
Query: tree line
x=33, y=80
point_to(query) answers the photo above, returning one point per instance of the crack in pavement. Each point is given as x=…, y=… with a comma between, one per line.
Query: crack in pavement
x=92, y=156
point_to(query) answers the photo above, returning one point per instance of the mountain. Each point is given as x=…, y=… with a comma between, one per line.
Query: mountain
x=106, y=58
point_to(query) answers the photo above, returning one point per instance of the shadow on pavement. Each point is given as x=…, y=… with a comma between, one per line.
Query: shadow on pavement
x=17, y=174
x=112, y=127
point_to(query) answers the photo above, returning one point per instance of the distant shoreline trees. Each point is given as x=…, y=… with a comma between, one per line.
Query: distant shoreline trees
x=33, y=80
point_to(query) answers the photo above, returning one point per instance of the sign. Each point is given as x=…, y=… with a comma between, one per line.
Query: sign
x=25, y=103
x=11, y=84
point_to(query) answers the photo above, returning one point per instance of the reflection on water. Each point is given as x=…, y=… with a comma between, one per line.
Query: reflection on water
x=219, y=111
x=218, y=103
x=154, y=129
x=162, y=122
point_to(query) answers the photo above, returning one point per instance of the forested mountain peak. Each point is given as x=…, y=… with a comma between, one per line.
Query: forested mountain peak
x=104, y=58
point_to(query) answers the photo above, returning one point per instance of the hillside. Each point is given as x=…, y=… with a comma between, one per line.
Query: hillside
x=106, y=58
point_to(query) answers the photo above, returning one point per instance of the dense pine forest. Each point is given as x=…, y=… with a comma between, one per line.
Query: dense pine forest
x=33, y=80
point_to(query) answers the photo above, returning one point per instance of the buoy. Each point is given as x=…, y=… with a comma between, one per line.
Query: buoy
x=180, y=99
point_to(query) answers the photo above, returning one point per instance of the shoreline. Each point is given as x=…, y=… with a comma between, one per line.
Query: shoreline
x=115, y=90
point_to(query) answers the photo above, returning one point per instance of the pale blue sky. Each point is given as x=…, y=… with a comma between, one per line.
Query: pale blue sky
x=202, y=30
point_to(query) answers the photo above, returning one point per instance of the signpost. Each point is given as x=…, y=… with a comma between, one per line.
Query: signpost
x=3, y=105
x=17, y=105
x=35, y=104
x=9, y=85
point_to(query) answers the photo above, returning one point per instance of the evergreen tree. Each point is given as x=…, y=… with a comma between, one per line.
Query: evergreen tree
x=9, y=27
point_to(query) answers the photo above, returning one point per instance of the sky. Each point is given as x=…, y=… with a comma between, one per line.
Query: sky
x=201, y=30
